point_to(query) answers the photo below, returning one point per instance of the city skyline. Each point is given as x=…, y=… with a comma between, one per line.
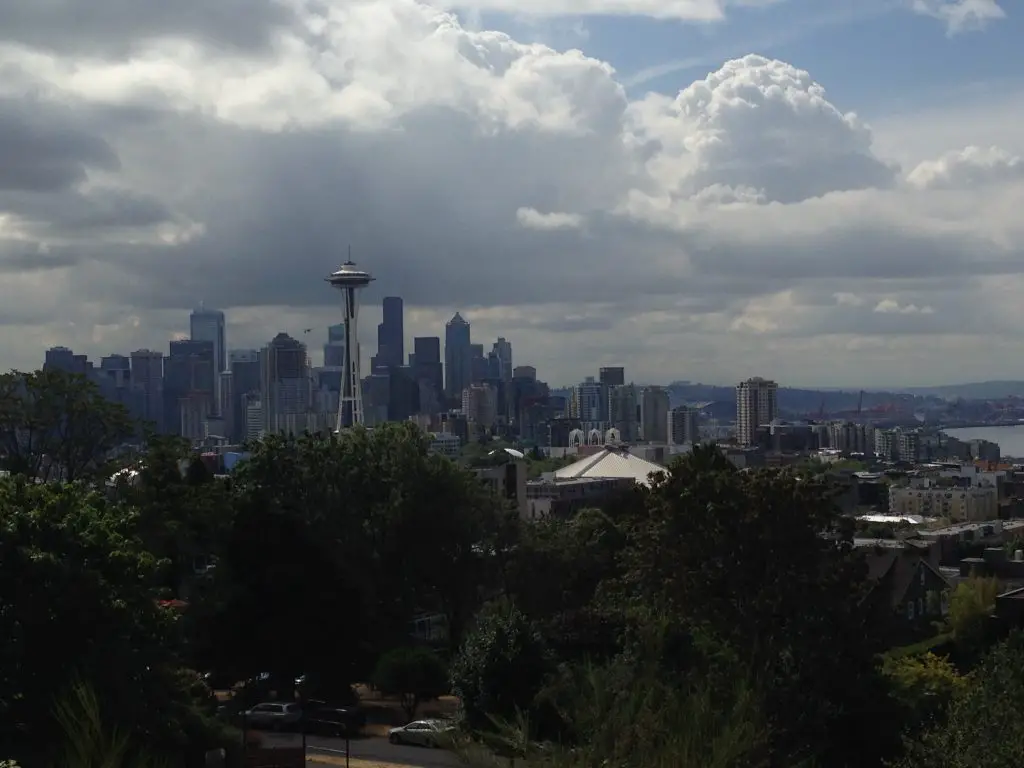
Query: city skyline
x=606, y=183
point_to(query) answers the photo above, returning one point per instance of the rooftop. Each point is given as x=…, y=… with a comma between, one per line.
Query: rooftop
x=611, y=462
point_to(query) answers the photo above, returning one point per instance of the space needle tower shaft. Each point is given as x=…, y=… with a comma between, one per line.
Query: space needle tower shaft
x=350, y=281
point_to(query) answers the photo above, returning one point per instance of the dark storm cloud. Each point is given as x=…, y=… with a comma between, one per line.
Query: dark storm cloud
x=431, y=212
x=86, y=213
x=91, y=27
x=19, y=259
x=44, y=148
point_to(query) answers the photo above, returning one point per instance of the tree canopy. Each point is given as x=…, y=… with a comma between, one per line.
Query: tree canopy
x=716, y=618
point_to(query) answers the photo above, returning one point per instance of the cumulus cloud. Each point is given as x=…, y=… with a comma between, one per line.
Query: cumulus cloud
x=967, y=168
x=683, y=10
x=961, y=15
x=740, y=225
x=533, y=219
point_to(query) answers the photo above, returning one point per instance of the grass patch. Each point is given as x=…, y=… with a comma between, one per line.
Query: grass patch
x=353, y=762
x=933, y=644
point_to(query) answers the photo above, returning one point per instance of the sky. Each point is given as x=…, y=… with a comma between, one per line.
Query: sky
x=822, y=193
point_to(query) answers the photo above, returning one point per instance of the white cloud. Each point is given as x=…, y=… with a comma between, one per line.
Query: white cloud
x=744, y=226
x=967, y=168
x=683, y=10
x=533, y=219
x=961, y=15
x=891, y=306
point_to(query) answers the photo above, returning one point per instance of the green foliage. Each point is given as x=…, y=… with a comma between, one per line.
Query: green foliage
x=55, y=425
x=983, y=728
x=924, y=684
x=336, y=544
x=80, y=598
x=758, y=561
x=970, y=607
x=556, y=574
x=89, y=742
x=501, y=668
x=414, y=675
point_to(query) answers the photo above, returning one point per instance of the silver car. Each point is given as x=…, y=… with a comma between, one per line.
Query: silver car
x=423, y=733
x=273, y=716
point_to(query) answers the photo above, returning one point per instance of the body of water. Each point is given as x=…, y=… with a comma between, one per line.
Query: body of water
x=1009, y=439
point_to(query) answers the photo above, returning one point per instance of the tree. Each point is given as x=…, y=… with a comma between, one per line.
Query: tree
x=923, y=684
x=502, y=666
x=983, y=728
x=79, y=598
x=56, y=425
x=555, y=574
x=970, y=607
x=368, y=526
x=759, y=562
x=414, y=675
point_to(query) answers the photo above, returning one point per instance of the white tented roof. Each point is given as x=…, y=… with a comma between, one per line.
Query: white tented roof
x=610, y=463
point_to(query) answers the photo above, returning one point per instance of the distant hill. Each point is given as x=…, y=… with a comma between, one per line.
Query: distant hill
x=981, y=390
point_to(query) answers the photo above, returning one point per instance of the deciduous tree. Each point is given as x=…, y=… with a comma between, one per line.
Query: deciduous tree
x=414, y=675
x=57, y=425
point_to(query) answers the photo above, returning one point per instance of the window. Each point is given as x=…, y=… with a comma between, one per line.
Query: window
x=920, y=606
x=910, y=610
x=921, y=569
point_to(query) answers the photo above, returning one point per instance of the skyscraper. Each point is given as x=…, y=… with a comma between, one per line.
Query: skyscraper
x=189, y=387
x=286, y=386
x=457, y=357
x=502, y=351
x=613, y=376
x=428, y=372
x=334, y=349
x=208, y=325
x=756, y=404
x=391, y=334
x=147, y=369
x=654, y=408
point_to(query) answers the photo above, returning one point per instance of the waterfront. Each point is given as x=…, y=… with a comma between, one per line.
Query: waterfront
x=1009, y=438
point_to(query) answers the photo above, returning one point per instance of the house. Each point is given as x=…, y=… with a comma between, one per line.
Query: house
x=907, y=593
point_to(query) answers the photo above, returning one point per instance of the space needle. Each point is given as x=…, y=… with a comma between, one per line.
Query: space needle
x=349, y=280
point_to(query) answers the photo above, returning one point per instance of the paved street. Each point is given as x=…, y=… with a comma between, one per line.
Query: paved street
x=376, y=748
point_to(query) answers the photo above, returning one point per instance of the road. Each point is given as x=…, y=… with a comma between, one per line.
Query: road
x=376, y=748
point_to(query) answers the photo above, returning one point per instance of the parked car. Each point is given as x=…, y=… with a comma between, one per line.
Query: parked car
x=333, y=721
x=273, y=716
x=424, y=733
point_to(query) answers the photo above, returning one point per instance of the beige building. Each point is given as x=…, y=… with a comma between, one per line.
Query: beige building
x=955, y=503
x=756, y=404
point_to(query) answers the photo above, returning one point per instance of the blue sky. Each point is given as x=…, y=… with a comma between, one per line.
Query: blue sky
x=871, y=55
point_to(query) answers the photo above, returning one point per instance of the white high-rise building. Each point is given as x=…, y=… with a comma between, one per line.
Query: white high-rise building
x=756, y=404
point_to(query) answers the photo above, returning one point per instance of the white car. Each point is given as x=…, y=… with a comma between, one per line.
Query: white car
x=423, y=733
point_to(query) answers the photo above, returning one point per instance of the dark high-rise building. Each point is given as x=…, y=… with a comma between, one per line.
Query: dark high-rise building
x=147, y=367
x=391, y=334
x=477, y=364
x=189, y=386
x=208, y=325
x=428, y=372
x=613, y=376
x=63, y=359
x=246, y=381
x=457, y=357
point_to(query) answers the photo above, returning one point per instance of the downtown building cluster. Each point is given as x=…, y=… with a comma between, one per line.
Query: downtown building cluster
x=204, y=391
